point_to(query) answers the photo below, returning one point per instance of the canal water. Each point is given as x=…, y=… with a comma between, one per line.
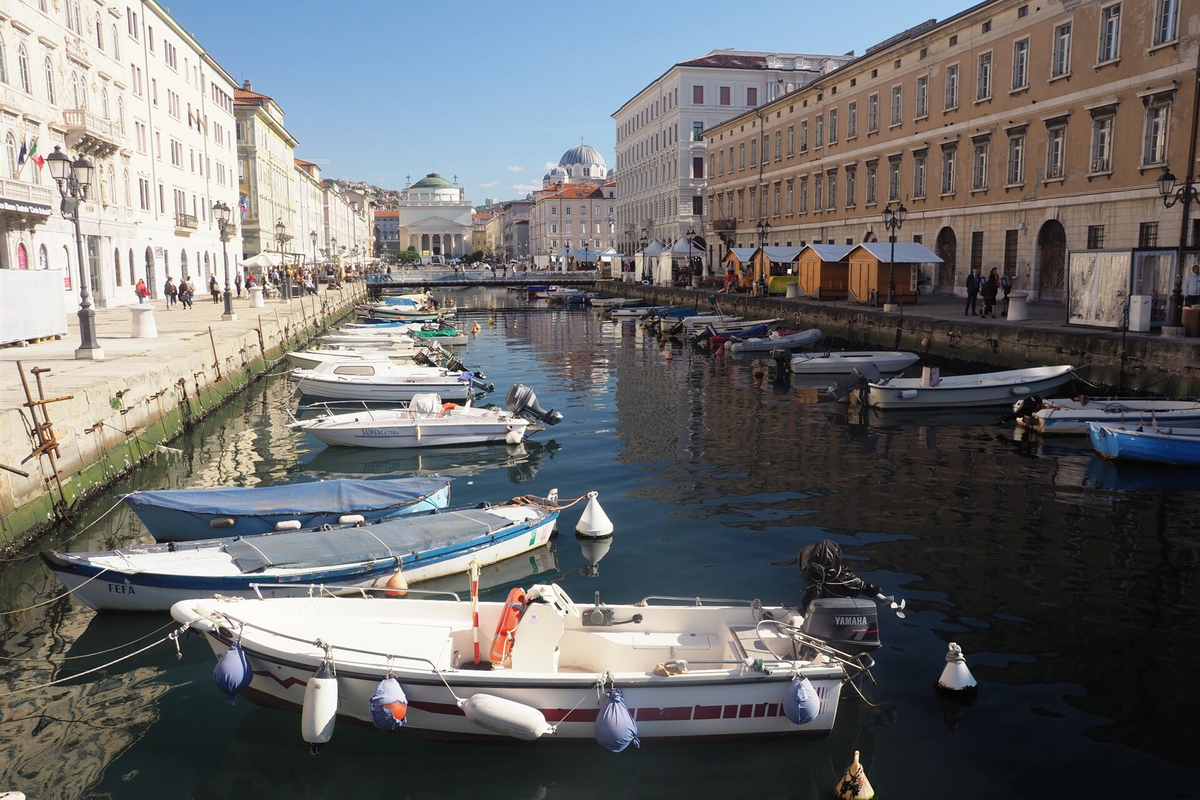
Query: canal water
x=1070, y=585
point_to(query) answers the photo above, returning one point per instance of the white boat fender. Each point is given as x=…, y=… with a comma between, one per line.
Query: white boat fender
x=506, y=717
x=615, y=728
x=513, y=436
x=320, y=707
x=233, y=674
x=351, y=519
x=907, y=394
x=222, y=522
x=801, y=703
x=389, y=706
x=593, y=521
x=854, y=784
x=1020, y=390
x=955, y=675
x=288, y=525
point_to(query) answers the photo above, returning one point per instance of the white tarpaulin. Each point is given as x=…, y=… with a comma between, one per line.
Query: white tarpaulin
x=31, y=304
x=263, y=260
x=685, y=248
x=1097, y=284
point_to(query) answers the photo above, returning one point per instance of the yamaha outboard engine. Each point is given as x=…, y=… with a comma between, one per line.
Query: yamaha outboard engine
x=859, y=378
x=523, y=402
x=849, y=624
x=1026, y=407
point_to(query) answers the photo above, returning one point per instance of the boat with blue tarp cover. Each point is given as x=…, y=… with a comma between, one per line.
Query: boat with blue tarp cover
x=152, y=577
x=173, y=515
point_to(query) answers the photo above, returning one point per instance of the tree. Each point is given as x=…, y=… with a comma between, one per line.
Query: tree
x=408, y=256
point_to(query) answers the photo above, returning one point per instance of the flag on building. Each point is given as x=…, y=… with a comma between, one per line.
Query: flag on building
x=243, y=206
x=21, y=156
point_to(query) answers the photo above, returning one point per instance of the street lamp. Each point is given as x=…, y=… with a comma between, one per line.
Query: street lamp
x=312, y=237
x=764, y=230
x=893, y=218
x=73, y=185
x=280, y=232
x=1172, y=195
x=645, y=272
x=221, y=215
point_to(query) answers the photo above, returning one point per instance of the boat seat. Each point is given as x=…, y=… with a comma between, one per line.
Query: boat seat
x=766, y=642
x=535, y=640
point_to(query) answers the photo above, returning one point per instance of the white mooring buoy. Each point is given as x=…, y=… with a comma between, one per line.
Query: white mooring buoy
x=955, y=675
x=854, y=784
x=594, y=522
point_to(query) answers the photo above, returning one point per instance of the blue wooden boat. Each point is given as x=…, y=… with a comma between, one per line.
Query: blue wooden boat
x=152, y=577
x=173, y=515
x=1155, y=445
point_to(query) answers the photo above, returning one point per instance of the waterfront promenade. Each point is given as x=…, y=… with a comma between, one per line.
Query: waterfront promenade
x=142, y=393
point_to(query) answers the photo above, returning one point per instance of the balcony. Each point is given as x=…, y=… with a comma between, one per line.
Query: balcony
x=27, y=202
x=91, y=134
x=185, y=222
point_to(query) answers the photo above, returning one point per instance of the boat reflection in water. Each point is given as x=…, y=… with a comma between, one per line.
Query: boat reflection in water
x=516, y=571
x=522, y=460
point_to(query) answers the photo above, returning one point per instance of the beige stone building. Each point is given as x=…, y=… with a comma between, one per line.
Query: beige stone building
x=1014, y=133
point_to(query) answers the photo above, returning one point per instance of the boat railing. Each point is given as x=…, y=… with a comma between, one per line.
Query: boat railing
x=321, y=590
x=697, y=601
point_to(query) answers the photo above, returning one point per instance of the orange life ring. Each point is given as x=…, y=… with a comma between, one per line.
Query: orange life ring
x=502, y=642
x=449, y=406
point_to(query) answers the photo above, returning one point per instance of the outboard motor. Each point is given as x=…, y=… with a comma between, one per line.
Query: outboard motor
x=1026, y=407
x=849, y=624
x=783, y=364
x=859, y=378
x=523, y=402
x=422, y=358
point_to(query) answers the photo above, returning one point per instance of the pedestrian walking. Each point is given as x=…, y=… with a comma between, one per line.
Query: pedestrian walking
x=1191, y=287
x=214, y=288
x=186, y=291
x=141, y=291
x=974, y=281
x=171, y=291
x=1006, y=289
x=237, y=282
x=989, y=290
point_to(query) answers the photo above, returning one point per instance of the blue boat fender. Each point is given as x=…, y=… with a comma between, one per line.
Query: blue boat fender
x=801, y=703
x=389, y=706
x=233, y=674
x=615, y=728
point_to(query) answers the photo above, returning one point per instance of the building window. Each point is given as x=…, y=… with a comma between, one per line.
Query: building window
x=1056, y=153
x=818, y=192
x=1166, y=21
x=49, y=80
x=983, y=77
x=952, y=86
x=1110, y=33
x=803, y=137
x=764, y=202
x=832, y=204
x=1148, y=234
x=724, y=95
x=894, y=181
x=1095, y=237
x=741, y=155
x=850, y=181
x=751, y=96
x=1154, y=151
x=872, y=183
x=791, y=151
x=979, y=169
x=949, y=163
x=873, y=114
x=820, y=131
x=778, y=145
x=698, y=95
x=1020, y=70
x=754, y=151
x=697, y=131
x=775, y=200
x=1016, y=160
x=922, y=97
x=1102, y=142
x=833, y=126
x=804, y=195
x=791, y=197
x=897, y=99
x=919, y=176
x=1061, y=57
x=977, y=250
x=852, y=120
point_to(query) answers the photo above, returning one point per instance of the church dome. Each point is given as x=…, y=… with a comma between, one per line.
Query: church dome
x=584, y=155
x=433, y=181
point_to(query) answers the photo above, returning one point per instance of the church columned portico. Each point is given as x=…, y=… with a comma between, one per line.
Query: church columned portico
x=435, y=218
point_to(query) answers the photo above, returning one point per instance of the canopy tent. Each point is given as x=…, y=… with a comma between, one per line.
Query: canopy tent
x=685, y=248
x=608, y=254
x=264, y=260
x=586, y=256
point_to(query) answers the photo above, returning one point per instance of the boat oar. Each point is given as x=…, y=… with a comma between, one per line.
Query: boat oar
x=474, y=572
x=890, y=602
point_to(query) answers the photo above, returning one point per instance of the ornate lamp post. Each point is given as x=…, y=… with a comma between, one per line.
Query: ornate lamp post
x=1171, y=195
x=221, y=215
x=893, y=218
x=764, y=230
x=280, y=233
x=312, y=237
x=645, y=272
x=73, y=179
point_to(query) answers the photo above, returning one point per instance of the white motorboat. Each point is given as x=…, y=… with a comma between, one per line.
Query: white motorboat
x=377, y=379
x=630, y=312
x=694, y=669
x=966, y=391
x=775, y=341
x=357, y=338
x=427, y=422
x=698, y=322
x=608, y=302
x=843, y=363
x=400, y=353
x=152, y=577
x=1073, y=416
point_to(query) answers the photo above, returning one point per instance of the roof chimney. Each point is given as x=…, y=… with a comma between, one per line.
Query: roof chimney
x=246, y=86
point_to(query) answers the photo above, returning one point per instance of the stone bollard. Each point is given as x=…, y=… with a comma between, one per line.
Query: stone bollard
x=256, y=297
x=143, y=322
x=793, y=290
x=1018, y=307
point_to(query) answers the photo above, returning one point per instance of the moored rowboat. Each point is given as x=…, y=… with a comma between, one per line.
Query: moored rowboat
x=1157, y=445
x=1073, y=416
x=966, y=391
x=843, y=363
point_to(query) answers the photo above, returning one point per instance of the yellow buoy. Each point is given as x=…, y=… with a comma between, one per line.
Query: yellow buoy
x=854, y=784
x=491, y=322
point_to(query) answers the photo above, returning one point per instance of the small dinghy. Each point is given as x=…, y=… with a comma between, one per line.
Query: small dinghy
x=302, y=563
x=775, y=340
x=176, y=515
x=844, y=363
x=428, y=422
x=1073, y=416
x=966, y=391
x=1155, y=445
x=377, y=379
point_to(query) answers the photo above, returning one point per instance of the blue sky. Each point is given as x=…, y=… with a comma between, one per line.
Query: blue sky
x=494, y=92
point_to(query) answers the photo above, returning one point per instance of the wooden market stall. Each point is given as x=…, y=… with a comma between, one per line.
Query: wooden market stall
x=870, y=269
x=738, y=260
x=777, y=265
x=823, y=270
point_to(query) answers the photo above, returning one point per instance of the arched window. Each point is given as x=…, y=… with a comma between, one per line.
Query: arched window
x=132, y=279
x=121, y=113
x=117, y=265
x=99, y=31
x=128, y=196
x=22, y=257
x=3, y=62
x=112, y=185
x=49, y=68
x=10, y=152
x=183, y=262
x=23, y=69
x=116, y=40
x=104, y=103
x=74, y=23
x=75, y=90
x=43, y=258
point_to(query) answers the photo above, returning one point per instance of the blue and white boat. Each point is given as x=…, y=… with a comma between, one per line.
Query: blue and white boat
x=418, y=547
x=1155, y=445
x=173, y=515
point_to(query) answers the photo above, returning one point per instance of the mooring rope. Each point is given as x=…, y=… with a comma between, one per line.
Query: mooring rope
x=171, y=637
x=88, y=655
x=54, y=599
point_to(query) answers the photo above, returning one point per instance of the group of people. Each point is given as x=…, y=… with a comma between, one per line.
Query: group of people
x=991, y=287
x=181, y=293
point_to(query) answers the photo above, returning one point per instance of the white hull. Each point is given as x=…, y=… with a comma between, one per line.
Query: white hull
x=387, y=429
x=1072, y=416
x=764, y=344
x=369, y=339
x=342, y=387
x=710, y=701
x=608, y=302
x=311, y=359
x=844, y=363
x=967, y=391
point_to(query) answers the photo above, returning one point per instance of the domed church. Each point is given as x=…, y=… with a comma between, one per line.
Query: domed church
x=580, y=164
x=435, y=218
